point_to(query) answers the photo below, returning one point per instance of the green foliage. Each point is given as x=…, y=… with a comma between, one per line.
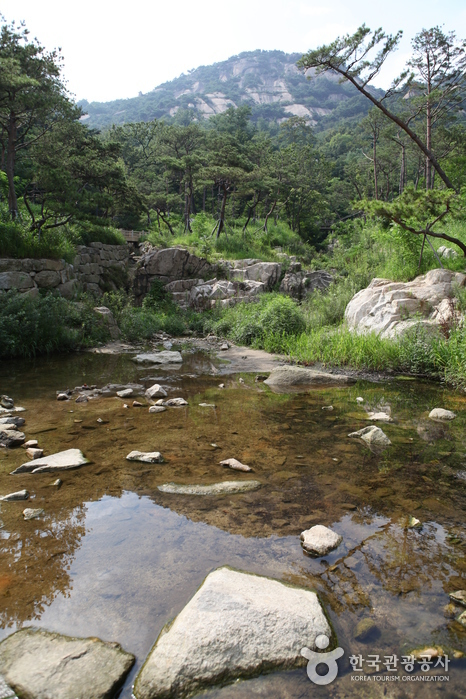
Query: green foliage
x=49, y=323
x=17, y=240
x=269, y=320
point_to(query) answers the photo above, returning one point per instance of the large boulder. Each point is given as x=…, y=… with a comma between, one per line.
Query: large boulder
x=15, y=280
x=108, y=319
x=236, y=626
x=266, y=272
x=298, y=284
x=393, y=308
x=43, y=665
x=168, y=265
x=300, y=378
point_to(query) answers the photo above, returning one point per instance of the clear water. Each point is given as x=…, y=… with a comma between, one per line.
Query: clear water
x=115, y=558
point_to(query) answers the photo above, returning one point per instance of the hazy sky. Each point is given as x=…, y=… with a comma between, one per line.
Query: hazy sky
x=117, y=49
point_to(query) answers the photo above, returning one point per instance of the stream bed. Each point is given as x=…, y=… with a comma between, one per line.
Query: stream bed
x=114, y=557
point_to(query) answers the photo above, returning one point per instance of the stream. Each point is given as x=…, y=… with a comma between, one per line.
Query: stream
x=114, y=557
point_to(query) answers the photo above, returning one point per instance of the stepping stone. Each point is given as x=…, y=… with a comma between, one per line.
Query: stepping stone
x=175, y=402
x=146, y=457
x=61, y=461
x=373, y=436
x=155, y=391
x=14, y=497
x=157, y=409
x=235, y=465
x=296, y=377
x=320, y=540
x=236, y=626
x=42, y=664
x=31, y=513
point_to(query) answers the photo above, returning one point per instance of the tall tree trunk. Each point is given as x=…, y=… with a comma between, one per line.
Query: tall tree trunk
x=402, y=169
x=221, y=224
x=428, y=128
x=203, y=199
x=374, y=158
x=10, y=167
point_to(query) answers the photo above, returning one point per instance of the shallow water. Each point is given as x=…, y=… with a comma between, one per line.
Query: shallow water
x=114, y=557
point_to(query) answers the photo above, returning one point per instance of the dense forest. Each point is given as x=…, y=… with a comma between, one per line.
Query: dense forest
x=372, y=188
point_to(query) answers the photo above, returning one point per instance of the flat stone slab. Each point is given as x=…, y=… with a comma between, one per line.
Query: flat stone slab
x=125, y=393
x=320, y=540
x=226, y=487
x=379, y=417
x=164, y=357
x=61, y=461
x=300, y=378
x=236, y=626
x=441, y=414
x=146, y=457
x=373, y=436
x=15, y=497
x=44, y=665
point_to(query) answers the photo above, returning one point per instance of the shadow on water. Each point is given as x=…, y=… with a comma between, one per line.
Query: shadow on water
x=114, y=557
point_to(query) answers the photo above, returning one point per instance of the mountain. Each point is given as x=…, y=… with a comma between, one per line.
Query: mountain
x=268, y=81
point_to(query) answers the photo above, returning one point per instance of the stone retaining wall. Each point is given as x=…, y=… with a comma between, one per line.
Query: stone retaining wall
x=96, y=268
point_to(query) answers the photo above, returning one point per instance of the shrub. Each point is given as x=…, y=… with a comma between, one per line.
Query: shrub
x=30, y=326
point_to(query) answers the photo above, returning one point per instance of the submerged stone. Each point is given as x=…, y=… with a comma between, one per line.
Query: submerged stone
x=157, y=409
x=39, y=664
x=226, y=487
x=364, y=629
x=237, y=625
x=379, y=417
x=207, y=405
x=320, y=540
x=285, y=377
x=61, y=461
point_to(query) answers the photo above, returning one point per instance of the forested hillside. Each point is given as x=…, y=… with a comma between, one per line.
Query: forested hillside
x=269, y=82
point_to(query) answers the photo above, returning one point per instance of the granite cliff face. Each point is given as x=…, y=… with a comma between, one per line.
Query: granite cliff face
x=268, y=81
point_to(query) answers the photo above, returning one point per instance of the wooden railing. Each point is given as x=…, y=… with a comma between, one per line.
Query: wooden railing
x=132, y=236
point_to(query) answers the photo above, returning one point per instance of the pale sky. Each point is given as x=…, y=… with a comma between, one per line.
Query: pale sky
x=115, y=50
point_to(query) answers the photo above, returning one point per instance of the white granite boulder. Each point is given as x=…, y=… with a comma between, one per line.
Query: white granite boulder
x=320, y=540
x=61, y=461
x=155, y=391
x=42, y=665
x=441, y=414
x=393, y=308
x=373, y=436
x=236, y=626
x=146, y=457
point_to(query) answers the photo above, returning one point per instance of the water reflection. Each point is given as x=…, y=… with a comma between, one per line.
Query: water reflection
x=114, y=557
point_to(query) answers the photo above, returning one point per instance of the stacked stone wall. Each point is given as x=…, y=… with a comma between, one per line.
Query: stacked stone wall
x=96, y=268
